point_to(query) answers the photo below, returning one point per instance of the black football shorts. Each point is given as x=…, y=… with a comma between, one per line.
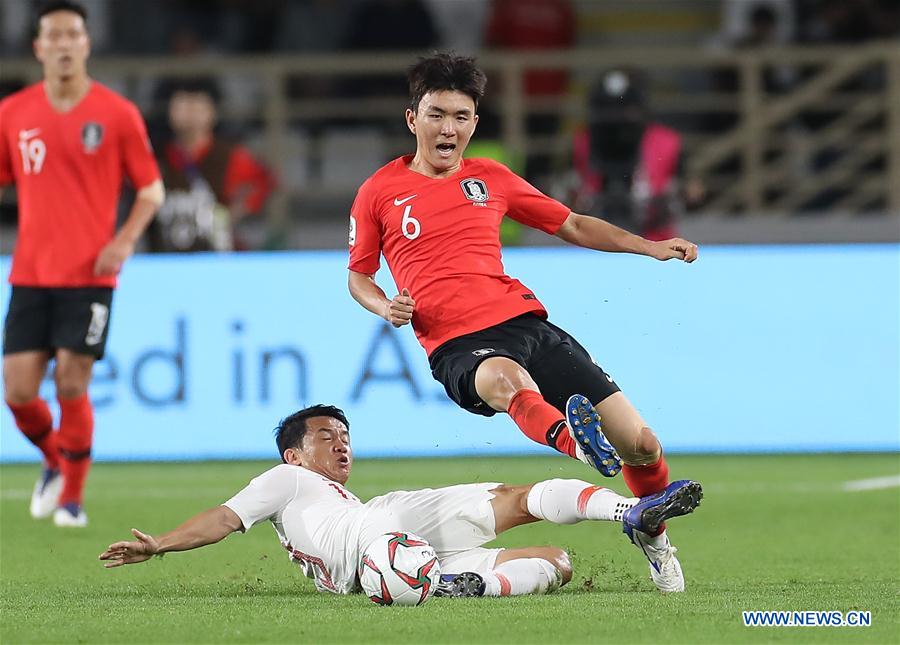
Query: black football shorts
x=558, y=364
x=75, y=318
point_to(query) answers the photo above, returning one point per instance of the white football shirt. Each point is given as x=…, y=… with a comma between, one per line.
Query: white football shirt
x=317, y=520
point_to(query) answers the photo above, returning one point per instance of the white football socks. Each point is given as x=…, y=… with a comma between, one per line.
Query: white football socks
x=567, y=501
x=522, y=576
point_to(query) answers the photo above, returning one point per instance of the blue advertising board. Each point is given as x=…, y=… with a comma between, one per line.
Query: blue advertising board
x=776, y=348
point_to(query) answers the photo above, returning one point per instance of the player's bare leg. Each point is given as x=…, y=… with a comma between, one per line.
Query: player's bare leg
x=76, y=429
x=72, y=374
x=628, y=432
x=645, y=470
x=506, y=386
x=499, y=379
x=22, y=376
x=647, y=475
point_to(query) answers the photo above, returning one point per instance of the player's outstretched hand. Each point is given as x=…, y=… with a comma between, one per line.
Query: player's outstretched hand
x=112, y=257
x=400, y=309
x=119, y=553
x=676, y=248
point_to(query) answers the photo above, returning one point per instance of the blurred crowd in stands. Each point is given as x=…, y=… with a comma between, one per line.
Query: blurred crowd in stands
x=622, y=161
x=149, y=27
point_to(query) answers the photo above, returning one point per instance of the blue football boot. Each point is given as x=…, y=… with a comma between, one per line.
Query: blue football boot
x=592, y=447
x=678, y=498
x=642, y=521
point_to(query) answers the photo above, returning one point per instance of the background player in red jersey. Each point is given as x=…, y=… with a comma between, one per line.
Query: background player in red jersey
x=66, y=143
x=435, y=216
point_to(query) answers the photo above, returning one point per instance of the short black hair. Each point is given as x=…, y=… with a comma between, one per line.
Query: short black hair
x=445, y=71
x=52, y=6
x=292, y=429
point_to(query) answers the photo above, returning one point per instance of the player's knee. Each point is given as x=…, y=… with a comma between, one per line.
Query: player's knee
x=17, y=395
x=18, y=391
x=70, y=388
x=71, y=380
x=497, y=380
x=647, y=448
x=495, y=390
x=514, y=496
x=510, y=505
x=560, y=559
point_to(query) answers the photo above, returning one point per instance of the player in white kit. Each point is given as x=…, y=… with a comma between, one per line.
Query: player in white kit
x=325, y=528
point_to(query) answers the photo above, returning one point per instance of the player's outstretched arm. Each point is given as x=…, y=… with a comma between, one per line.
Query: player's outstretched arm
x=595, y=233
x=208, y=527
x=146, y=203
x=398, y=311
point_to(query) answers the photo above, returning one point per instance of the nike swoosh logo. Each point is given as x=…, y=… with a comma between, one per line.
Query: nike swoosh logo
x=27, y=134
x=400, y=202
x=640, y=543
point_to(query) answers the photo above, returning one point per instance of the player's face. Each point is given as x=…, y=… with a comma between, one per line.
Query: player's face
x=443, y=125
x=62, y=44
x=192, y=112
x=325, y=450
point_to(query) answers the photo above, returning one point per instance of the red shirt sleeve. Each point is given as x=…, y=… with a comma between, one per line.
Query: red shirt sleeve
x=365, y=232
x=6, y=171
x=247, y=181
x=529, y=206
x=137, y=153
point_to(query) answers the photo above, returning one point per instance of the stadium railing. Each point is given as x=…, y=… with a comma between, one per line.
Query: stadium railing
x=828, y=139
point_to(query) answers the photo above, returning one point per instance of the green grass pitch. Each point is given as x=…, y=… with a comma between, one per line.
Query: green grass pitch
x=773, y=532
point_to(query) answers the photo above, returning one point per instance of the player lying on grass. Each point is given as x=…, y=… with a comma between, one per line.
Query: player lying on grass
x=324, y=527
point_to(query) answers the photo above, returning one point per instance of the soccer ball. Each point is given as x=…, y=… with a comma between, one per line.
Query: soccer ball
x=399, y=569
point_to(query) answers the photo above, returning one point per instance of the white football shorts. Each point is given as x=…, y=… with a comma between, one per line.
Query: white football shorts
x=456, y=521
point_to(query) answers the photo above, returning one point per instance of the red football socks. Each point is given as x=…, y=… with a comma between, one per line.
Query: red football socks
x=76, y=429
x=646, y=480
x=36, y=423
x=541, y=422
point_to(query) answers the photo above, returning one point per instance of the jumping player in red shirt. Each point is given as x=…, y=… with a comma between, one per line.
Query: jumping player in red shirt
x=66, y=143
x=436, y=216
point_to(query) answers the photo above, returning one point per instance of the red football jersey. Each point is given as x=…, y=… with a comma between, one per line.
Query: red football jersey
x=441, y=240
x=68, y=170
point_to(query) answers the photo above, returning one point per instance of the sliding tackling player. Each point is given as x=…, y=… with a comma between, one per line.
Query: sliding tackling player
x=436, y=218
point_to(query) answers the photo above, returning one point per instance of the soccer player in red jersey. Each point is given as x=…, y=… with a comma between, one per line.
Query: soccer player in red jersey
x=436, y=216
x=66, y=143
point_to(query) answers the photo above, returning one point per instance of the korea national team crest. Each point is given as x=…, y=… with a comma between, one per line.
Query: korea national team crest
x=91, y=136
x=475, y=189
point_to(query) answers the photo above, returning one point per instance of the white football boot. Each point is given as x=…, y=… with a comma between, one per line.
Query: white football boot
x=665, y=570
x=45, y=494
x=70, y=515
x=647, y=516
